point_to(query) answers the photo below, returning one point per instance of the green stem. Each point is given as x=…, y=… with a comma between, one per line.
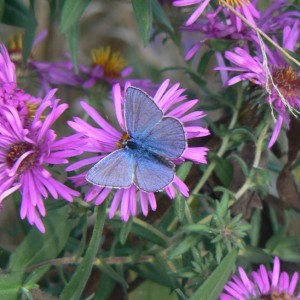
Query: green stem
x=258, y=152
x=97, y=261
x=149, y=227
x=221, y=151
x=78, y=281
x=223, y=148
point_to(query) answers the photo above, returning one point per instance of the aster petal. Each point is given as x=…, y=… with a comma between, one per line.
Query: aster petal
x=115, y=203
x=276, y=131
x=117, y=98
x=276, y=272
x=293, y=283
x=9, y=191
x=144, y=203
x=197, y=13
x=102, y=196
x=99, y=120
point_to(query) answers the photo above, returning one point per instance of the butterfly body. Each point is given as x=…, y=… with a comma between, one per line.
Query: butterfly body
x=146, y=149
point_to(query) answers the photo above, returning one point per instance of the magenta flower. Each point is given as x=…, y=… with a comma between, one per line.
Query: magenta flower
x=262, y=284
x=245, y=7
x=106, y=138
x=50, y=74
x=26, y=153
x=279, y=80
x=10, y=93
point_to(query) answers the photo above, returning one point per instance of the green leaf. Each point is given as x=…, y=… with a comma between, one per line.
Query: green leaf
x=184, y=246
x=213, y=286
x=125, y=230
x=105, y=288
x=10, y=285
x=144, y=230
x=30, y=30
x=160, y=15
x=255, y=231
x=242, y=164
x=204, y=62
x=15, y=13
x=184, y=170
x=78, y=281
x=108, y=270
x=143, y=14
x=197, y=228
x=73, y=38
x=179, y=206
x=224, y=170
x=36, y=275
x=2, y=7
x=71, y=12
x=180, y=200
x=37, y=247
x=152, y=291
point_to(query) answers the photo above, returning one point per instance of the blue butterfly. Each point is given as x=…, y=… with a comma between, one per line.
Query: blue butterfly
x=146, y=149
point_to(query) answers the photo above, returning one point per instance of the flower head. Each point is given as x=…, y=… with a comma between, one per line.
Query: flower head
x=11, y=94
x=245, y=7
x=107, y=66
x=273, y=73
x=262, y=284
x=49, y=74
x=107, y=139
x=26, y=154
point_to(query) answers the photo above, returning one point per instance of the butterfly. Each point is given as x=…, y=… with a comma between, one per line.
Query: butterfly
x=146, y=150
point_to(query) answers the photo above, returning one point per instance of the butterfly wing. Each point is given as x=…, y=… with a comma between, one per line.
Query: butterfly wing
x=141, y=112
x=115, y=170
x=153, y=173
x=166, y=139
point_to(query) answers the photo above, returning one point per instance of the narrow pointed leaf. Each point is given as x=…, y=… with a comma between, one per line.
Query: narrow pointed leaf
x=213, y=286
x=71, y=12
x=143, y=14
x=78, y=281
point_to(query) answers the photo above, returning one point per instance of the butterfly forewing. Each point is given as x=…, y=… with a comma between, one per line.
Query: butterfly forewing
x=115, y=170
x=141, y=113
x=152, y=175
x=166, y=139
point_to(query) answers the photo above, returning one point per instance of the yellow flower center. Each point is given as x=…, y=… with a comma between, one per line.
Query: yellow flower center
x=124, y=139
x=237, y=3
x=278, y=296
x=111, y=61
x=15, y=48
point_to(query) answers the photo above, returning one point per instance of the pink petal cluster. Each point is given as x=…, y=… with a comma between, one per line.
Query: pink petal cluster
x=262, y=284
x=28, y=146
x=104, y=138
x=248, y=10
x=252, y=67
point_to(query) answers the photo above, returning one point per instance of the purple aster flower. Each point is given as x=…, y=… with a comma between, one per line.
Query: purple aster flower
x=111, y=67
x=49, y=73
x=11, y=94
x=276, y=76
x=245, y=7
x=262, y=284
x=26, y=153
x=105, y=139
x=223, y=26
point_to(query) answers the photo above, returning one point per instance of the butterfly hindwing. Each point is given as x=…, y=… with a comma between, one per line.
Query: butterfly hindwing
x=167, y=138
x=141, y=113
x=115, y=170
x=153, y=173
